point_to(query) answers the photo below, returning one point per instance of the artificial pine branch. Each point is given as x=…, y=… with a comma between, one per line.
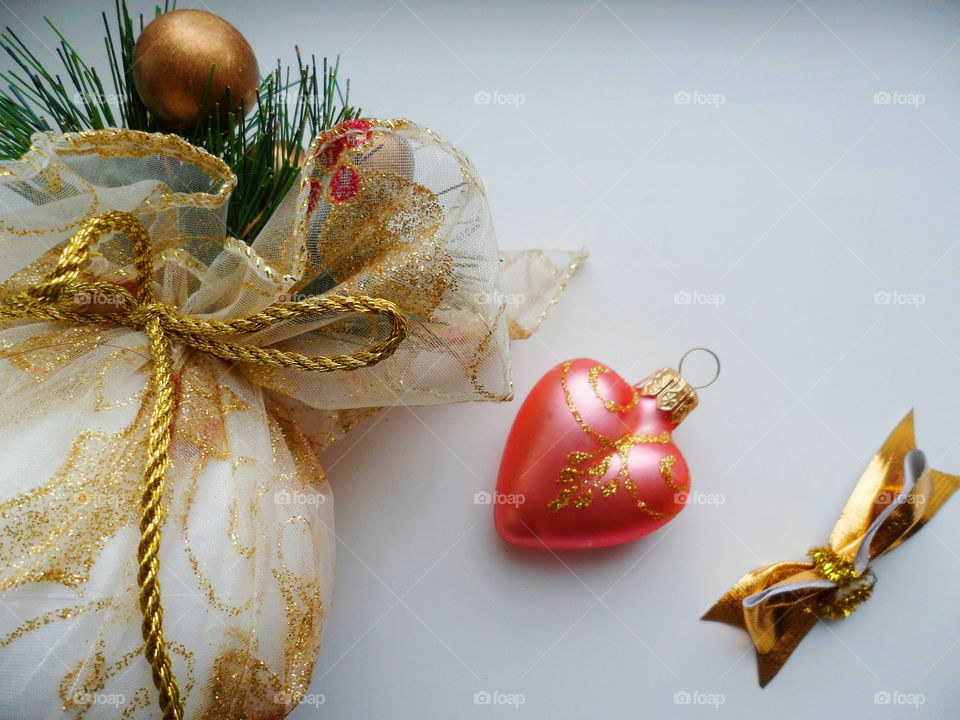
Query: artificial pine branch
x=264, y=149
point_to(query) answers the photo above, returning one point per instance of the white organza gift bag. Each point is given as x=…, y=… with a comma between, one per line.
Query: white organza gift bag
x=384, y=209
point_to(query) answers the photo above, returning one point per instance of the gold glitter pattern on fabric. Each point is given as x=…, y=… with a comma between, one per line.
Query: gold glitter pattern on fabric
x=243, y=475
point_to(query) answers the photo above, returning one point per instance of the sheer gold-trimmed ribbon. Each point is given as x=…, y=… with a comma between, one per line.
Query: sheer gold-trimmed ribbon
x=779, y=604
x=163, y=325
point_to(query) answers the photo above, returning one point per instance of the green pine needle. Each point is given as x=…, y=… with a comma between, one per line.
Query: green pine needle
x=264, y=149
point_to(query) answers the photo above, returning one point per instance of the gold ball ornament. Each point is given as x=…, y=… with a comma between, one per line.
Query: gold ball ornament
x=172, y=62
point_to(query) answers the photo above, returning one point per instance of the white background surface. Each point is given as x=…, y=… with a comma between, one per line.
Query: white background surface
x=792, y=202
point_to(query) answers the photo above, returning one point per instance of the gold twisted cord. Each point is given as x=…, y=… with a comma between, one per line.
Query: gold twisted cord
x=56, y=299
x=853, y=588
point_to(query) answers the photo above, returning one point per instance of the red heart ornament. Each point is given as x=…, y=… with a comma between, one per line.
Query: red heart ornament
x=590, y=459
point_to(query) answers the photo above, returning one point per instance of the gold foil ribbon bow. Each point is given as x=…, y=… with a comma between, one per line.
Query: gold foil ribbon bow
x=163, y=324
x=779, y=604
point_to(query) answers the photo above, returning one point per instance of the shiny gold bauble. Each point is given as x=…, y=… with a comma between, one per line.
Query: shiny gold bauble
x=172, y=62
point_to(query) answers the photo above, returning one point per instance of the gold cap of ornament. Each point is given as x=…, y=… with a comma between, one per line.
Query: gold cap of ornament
x=674, y=394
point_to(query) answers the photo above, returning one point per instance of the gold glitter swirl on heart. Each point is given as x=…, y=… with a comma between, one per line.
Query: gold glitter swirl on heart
x=586, y=470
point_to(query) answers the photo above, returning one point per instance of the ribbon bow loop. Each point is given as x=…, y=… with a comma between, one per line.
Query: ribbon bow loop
x=779, y=604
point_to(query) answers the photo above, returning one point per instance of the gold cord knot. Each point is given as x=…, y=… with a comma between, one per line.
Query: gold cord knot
x=853, y=588
x=142, y=315
x=58, y=298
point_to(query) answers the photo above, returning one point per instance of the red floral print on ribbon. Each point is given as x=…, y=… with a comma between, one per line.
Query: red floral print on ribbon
x=344, y=184
x=316, y=192
x=348, y=134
